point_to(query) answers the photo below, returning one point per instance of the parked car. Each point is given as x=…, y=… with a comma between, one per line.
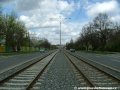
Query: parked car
x=72, y=50
x=42, y=50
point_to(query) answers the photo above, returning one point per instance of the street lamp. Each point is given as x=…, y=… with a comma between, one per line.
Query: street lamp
x=60, y=26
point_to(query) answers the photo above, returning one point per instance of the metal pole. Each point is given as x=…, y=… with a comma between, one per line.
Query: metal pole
x=60, y=33
x=60, y=30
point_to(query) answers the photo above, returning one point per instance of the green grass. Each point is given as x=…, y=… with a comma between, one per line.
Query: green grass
x=98, y=52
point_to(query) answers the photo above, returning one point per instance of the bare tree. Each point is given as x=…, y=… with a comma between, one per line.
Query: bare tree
x=85, y=36
x=101, y=23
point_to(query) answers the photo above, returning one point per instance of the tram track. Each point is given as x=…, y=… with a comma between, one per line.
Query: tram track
x=92, y=75
x=81, y=76
x=25, y=78
x=50, y=72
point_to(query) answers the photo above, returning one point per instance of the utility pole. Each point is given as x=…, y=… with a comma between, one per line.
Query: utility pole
x=60, y=28
x=60, y=33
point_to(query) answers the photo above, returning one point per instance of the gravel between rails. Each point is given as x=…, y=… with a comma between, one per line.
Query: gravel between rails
x=60, y=76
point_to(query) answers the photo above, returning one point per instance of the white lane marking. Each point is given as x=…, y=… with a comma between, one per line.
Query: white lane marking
x=115, y=60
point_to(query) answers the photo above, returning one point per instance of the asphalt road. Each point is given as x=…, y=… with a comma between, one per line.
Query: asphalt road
x=8, y=62
x=111, y=60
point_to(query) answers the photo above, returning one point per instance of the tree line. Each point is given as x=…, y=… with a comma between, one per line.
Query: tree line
x=101, y=34
x=14, y=33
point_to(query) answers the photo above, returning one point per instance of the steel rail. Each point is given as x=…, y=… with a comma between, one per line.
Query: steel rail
x=114, y=77
x=115, y=80
x=39, y=74
x=81, y=72
x=18, y=72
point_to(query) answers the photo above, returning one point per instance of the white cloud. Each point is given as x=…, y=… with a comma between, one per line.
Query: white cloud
x=26, y=5
x=6, y=1
x=115, y=18
x=104, y=7
x=62, y=5
x=37, y=19
x=24, y=18
x=42, y=15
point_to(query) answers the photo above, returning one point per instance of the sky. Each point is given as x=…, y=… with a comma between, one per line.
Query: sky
x=42, y=17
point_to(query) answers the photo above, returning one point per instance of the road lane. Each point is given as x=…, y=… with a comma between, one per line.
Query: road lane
x=6, y=63
x=109, y=60
x=115, y=60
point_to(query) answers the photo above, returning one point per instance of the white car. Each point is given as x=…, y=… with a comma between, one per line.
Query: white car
x=42, y=50
x=72, y=50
